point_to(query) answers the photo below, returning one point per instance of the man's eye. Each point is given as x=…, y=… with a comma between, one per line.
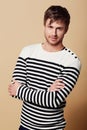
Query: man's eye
x=59, y=28
x=49, y=26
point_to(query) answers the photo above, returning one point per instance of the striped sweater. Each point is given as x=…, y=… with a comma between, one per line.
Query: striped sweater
x=37, y=69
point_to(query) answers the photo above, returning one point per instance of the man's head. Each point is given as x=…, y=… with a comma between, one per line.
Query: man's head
x=57, y=13
x=56, y=22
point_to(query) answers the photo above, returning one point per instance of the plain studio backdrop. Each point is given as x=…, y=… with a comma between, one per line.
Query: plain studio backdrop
x=21, y=23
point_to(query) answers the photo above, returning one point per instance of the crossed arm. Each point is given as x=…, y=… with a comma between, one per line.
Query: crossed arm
x=54, y=96
x=14, y=86
x=39, y=97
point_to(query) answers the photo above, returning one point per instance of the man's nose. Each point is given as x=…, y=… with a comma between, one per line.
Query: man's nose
x=54, y=32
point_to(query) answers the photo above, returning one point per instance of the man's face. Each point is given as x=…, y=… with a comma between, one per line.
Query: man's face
x=54, y=32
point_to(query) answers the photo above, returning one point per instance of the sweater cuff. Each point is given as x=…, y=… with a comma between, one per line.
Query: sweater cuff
x=17, y=90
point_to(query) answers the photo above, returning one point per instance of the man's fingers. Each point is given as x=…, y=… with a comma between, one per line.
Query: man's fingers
x=60, y=84
x=59, y=80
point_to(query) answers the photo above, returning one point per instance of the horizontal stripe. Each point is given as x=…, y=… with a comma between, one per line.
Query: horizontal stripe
x=43, y=110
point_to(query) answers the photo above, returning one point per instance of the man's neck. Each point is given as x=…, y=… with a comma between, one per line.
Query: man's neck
x=52, y=48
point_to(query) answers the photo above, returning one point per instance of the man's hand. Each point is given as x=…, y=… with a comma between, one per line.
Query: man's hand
x=56, y=86
x=12, y=89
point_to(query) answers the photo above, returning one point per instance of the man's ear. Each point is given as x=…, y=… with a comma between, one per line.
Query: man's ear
x=66, y=29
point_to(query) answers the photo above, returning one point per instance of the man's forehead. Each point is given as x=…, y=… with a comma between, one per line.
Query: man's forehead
x=51, y=21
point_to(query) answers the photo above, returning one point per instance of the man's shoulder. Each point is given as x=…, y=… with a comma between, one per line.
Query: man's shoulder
x=70, y=53
x=72, y=58
x=29, y=49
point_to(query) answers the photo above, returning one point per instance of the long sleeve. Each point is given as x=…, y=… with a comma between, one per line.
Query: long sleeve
x=69, y=75
x=26, y=93
x=36, y=70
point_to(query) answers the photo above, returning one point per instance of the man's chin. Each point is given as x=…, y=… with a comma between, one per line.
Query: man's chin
x=53, y=43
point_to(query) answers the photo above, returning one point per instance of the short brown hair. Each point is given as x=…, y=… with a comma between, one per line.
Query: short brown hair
x=57, y=13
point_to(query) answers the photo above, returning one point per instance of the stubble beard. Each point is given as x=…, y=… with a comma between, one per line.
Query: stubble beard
x=53, y=43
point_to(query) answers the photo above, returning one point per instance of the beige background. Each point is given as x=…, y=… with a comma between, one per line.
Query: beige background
x=21, y=23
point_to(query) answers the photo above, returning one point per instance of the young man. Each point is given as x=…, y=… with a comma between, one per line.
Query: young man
x=45, y=74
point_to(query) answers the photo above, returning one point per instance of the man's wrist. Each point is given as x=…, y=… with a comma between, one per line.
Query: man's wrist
x=17, y=90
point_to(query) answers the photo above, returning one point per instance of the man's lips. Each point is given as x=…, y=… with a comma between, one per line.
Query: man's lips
x=53, y=38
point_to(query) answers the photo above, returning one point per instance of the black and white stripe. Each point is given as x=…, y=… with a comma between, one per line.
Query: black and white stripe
x=43, y=110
